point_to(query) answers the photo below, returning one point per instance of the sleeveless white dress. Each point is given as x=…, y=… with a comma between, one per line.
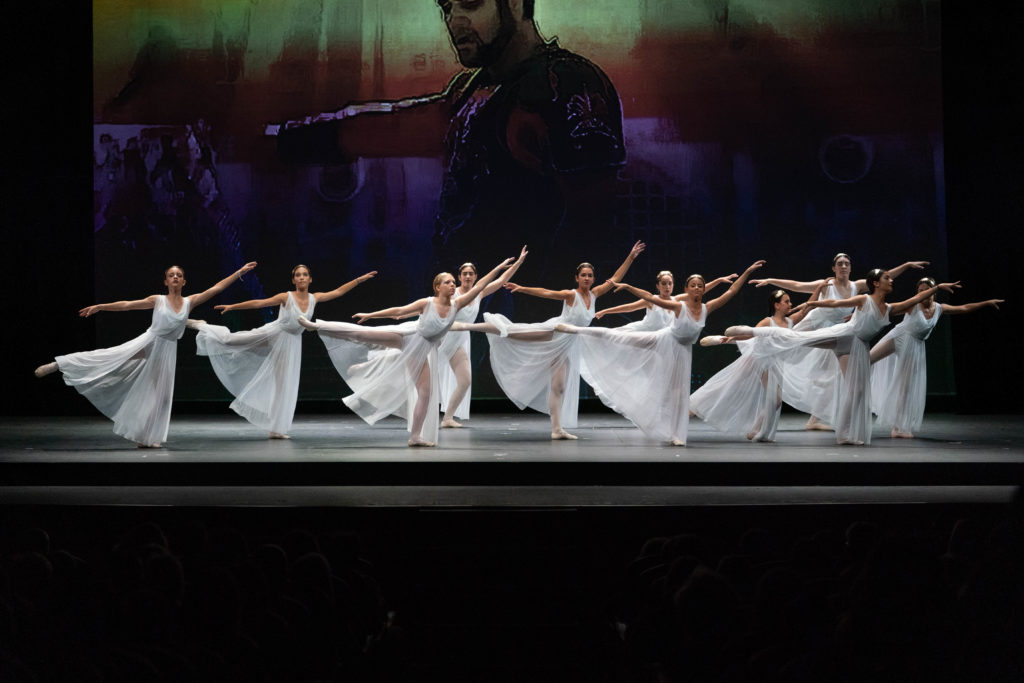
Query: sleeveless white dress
x=809, y=375
x=655, y=318
x=260, y=367
x=852, y=391
x=645, y=376
x=133, y=383
x=524, y=368
x=743, y=397
x=899, y=381
x=452, y=342
x=383, y=379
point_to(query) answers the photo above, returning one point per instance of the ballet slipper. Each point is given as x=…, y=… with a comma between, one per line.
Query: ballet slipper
x=816, y=425
x=277, y=435
x=500, y=322
x=308, y=324
x=676, y=441
x=44, y=370
x=562, y=435
x=739, y=331
x=713, y=340
x=419, y=442
x=450, y=423
x=194, y=324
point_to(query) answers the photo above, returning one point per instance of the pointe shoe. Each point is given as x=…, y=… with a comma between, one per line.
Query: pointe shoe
x=308, y=324
x=277, y=435
x=713, y=340
x=194, y=324
x=450, y=423
x=417, y=442
x=562, y=435
x=738, y=330
x=563, y=327
x=676, y=441
x=44, y=370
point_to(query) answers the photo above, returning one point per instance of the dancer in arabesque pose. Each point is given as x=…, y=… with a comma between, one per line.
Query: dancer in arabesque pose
x=535, y=365
x=260, y=367
x=645, y=376
x=852, y=415
x=133, y=383
x=807, y=380
x=392, y=369
x=899, y=372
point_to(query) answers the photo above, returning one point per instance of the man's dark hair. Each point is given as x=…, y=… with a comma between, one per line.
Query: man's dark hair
x=527, y=7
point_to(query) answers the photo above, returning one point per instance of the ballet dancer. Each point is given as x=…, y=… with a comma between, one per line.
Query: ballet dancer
x=645, y=376
x=745, y=397
x=260, y=367
x=455, y=376
x=133, y=383
x=392, y=369
x=656, y=317
x=899, y=376
x=852, y=415
x=536, y=366
x=806, y=383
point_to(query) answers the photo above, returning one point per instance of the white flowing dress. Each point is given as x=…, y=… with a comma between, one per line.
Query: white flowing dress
x=808, y=377
x=899, y=381
x=524, y=368
x=745, y=396
x=852, y=390
x=260, y=367
x=133, y=383
x=645, y=376
x=383, y=379
x=655, y=318
x=452, y=342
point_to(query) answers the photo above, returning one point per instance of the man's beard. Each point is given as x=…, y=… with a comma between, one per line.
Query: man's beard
x=489, y=53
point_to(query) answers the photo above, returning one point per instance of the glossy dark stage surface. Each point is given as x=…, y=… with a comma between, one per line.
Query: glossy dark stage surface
x=504, y=460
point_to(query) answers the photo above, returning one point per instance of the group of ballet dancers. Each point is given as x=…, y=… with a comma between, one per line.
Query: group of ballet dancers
x=814, y=356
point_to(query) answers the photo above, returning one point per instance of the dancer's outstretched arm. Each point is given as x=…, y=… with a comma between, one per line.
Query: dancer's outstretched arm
x=322, y=297
x=922, y=295
x=624, y=308
x=798, y=313
x=506, y=276
x=670, y=304
x=968, y=308
x=133, y=305
x=621, y=272
x=276, y=300
x=789, y=285
x=415, y=308
x=480, y=284
x=735, y=287
x=862, y=284
x=855, y=301
x=724, y=280
x=205, y=296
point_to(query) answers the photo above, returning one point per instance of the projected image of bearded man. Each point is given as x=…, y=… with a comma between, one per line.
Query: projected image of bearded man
x=531, y=135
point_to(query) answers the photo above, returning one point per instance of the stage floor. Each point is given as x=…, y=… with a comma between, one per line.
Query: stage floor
x=501, y=461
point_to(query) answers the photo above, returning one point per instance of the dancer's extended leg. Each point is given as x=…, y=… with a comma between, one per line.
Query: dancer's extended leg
x=347, y=331
x=883, y=349
x=460, y=366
